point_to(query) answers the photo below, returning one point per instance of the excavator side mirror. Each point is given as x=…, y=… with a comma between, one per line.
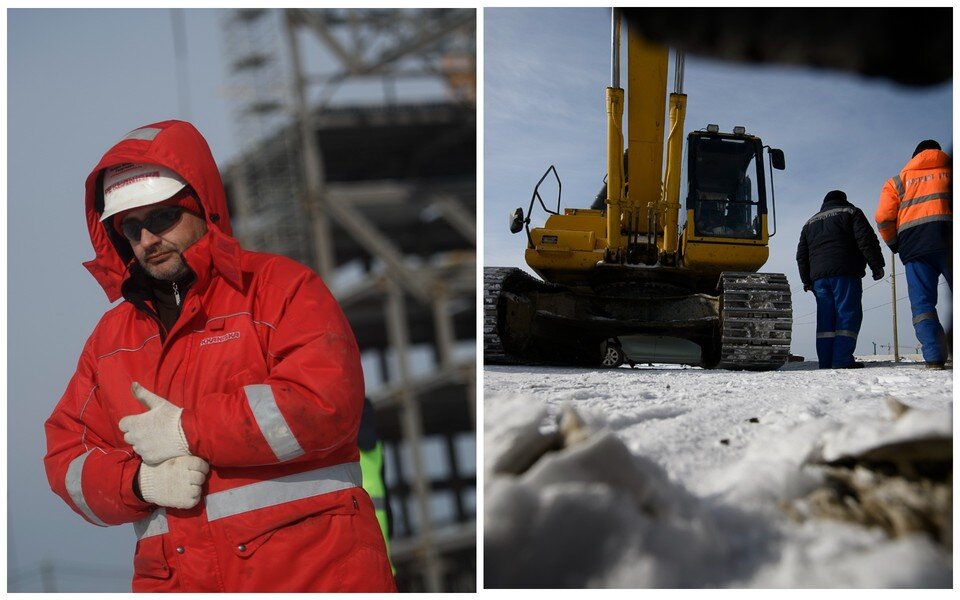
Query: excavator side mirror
x=516, y=221
x=777, y=160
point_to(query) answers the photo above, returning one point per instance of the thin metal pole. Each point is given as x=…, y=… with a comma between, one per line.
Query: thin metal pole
x=313, y=168
x=48, y=578
x=893, y=289
x=180, y=54
x=411, y=425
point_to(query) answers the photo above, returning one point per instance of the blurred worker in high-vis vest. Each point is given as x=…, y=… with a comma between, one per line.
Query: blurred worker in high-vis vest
x=371, y=463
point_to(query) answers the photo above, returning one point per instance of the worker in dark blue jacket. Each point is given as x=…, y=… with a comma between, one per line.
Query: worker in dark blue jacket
x=836, y=245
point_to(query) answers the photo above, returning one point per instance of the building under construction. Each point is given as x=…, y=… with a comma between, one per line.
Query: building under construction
x=358, y=131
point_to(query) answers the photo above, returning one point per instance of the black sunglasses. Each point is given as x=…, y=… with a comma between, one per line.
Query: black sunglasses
x=156, y=222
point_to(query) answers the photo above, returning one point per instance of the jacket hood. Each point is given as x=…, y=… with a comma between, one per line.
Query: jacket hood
x=176, y=145
x=928, y=159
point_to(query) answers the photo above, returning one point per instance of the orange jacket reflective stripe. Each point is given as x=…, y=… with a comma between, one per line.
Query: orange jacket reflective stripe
x=920, y=194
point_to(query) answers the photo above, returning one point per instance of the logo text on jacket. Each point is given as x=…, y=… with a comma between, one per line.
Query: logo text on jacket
x=217, y=339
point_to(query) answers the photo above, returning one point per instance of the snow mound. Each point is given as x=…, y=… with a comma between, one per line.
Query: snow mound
x=594, y=515
x=771, y=469
x=858, y=438
x=681, y=478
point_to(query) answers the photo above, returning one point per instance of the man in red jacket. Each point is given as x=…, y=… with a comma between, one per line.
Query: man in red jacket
x=216, y=408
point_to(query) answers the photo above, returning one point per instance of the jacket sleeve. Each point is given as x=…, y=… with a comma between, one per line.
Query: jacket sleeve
x=867, y=241
x=312, y=397
x=886, y=217
x=803, y=260
x=92, y=476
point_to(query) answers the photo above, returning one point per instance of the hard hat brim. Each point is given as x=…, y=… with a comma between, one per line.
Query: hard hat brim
x=137, y=186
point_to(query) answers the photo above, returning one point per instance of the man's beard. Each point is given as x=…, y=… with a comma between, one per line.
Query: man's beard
x=172, y=269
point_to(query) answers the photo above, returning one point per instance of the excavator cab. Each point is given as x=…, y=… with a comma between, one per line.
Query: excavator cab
x=726, y=203
x=726, y=185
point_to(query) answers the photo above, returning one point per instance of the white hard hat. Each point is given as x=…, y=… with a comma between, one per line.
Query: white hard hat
x=132, y=185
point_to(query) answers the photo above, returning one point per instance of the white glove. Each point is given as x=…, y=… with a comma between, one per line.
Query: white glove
x=175, y=483
x=155, y=435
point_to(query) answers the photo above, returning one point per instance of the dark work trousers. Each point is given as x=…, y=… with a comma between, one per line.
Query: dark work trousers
x=923, y=276
x=839, y=315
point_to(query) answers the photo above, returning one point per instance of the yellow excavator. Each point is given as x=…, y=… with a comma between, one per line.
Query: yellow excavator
x=623, y=281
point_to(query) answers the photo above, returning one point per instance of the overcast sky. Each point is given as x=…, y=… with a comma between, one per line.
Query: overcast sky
x=544, y=79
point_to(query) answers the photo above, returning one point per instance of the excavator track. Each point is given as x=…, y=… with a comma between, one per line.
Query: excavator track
x=494, y=279
x=756, y=321
x=508, y=285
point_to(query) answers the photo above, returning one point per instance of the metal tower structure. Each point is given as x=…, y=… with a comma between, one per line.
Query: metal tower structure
x=266, y=180
x=359, y=134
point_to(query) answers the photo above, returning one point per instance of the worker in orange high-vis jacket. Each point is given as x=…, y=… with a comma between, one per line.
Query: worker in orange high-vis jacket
x=215, y=408
x=915, y=219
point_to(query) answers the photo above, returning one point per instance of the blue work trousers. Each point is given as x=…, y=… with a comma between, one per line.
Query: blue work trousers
x=923, y=276
x=839, y=315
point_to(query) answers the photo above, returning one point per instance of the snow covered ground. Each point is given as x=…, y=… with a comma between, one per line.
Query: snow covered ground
x=681, y=483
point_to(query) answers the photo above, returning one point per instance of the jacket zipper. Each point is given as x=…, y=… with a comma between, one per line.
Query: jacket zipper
x=145, y=308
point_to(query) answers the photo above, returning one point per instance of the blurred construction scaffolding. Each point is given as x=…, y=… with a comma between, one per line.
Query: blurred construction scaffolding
x=358, y=134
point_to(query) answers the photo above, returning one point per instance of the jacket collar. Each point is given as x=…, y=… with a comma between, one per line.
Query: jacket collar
x=831, y=204
x=212, y=255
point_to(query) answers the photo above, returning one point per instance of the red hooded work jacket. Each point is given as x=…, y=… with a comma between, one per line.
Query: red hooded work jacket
x=915, y=211
x=267, y=371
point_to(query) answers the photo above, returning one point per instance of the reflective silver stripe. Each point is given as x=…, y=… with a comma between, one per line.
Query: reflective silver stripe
x=830, y=213
x=888, y=231
x=144, y=133
x=846, y=333
x=826, y=334
x=283, y=489
x=74, y=482
x=898, y=183
x=921, y=199
x=925, y=220
x=379, y=503
x=271, y=422
x=924, y=317
x=155, y=524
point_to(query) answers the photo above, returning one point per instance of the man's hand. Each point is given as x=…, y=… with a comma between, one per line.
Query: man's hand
x=175, y=483
x=155, y=435
x=877, y=274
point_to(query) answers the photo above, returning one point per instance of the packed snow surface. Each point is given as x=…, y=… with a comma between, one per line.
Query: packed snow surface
x=682, y=479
